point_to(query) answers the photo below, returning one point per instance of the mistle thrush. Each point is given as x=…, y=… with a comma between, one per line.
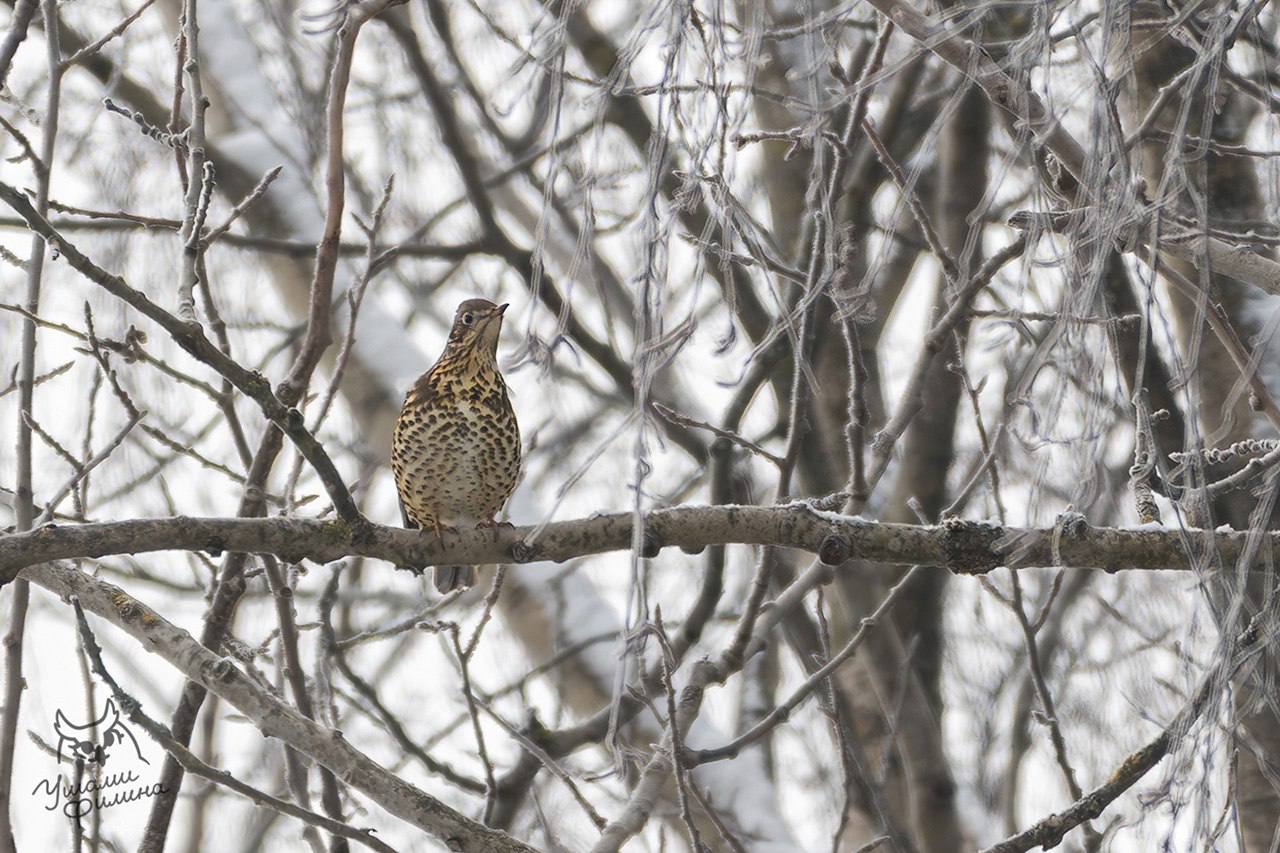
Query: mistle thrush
x=456, y=450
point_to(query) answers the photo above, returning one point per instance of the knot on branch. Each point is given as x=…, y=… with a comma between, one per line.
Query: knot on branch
x=834, y=550
x=523, y=552
x=651, y=545
x=880, y=442
x=125, y=606
x=1071, y=524
x=1053, y=829
x=970, y=547
x=360, y=531
x=257, y=384
x=223, y=670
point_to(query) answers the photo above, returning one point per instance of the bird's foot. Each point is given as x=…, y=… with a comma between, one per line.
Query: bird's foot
x=491, y=524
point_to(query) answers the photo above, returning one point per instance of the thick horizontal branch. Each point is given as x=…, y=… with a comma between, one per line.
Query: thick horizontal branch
x=964, y=547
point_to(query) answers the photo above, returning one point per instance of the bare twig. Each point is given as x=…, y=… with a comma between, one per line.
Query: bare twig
x=19, y=22
x=236, y=212
x=782, y=712
x=548, y=762
x=931, y=237
x=199, y=172
x=678, y=765
x=935, y=339
x=677, y=418
x=14, y=682
x=337, y=653
x=83, y=469
x=115, y=32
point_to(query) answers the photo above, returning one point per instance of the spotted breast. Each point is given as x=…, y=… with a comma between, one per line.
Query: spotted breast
x=456, y=449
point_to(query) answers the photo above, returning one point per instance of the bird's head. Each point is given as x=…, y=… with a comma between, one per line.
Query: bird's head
x=476, y=326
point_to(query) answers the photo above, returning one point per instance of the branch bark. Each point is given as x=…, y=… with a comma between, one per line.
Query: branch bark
x=963, y=547
x=23, y=12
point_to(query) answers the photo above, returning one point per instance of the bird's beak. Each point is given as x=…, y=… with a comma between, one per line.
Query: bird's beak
x=501, y=309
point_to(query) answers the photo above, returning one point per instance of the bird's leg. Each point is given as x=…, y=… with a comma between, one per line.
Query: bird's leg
x=441, y=529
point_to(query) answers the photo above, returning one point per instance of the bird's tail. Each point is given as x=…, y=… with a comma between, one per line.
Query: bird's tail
x=449, y=578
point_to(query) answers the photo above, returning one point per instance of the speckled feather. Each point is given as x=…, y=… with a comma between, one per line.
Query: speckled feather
x=456, y=449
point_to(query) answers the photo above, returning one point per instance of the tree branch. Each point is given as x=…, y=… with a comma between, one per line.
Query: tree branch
x=964, y=547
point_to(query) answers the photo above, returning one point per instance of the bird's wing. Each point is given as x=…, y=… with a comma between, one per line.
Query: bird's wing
x=404, y=517
x=424, y=392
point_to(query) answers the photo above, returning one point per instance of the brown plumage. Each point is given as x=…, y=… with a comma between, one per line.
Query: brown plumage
x=456, y=449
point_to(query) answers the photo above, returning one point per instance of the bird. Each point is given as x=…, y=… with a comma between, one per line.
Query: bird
x=455, y=452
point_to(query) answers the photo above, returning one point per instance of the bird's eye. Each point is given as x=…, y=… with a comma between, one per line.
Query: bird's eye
x=468, y=319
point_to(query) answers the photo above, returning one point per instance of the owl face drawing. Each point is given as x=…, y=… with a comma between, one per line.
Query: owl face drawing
x=77, y=741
